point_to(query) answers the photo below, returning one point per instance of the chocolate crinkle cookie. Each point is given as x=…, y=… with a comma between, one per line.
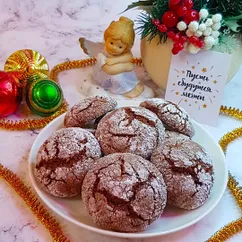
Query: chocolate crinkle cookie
x=124, y=192
x=187, y=170
x=173, y=117
x=130, y=130
x=88, y=110
x=64, y=159
x=175, y=135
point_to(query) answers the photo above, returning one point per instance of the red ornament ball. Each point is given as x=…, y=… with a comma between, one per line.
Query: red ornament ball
x=188, y=3
x=174, y=2
x=162, y=28
x=181, y=11
x=10, y=94
x=169, y=19
x=192, y=15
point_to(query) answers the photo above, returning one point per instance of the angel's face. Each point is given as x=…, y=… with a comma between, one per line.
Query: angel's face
x=115, y=47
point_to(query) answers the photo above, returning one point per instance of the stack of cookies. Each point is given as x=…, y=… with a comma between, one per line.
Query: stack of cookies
x=126, y=163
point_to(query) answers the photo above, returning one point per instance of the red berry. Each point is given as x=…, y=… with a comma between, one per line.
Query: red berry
x=192, y=15
x=174, y=51
x=188, y=3
x=181, y=11
x=183, y=39
x=156, y=22
x=173, y=7
x=174, y=2
x=170, y=19
x=170, y=34
x=179, y=46
x=193, y=40
x=162, y=28
x=200, y=44
x=176, y=38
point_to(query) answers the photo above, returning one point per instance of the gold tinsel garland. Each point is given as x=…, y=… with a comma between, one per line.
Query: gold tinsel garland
x=33, y=203
x=42, y=122
x=42, y=214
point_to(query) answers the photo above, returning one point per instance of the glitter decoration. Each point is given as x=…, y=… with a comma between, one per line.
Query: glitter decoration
x=27, y=65
x=26, y=124
x=44, y=97
x=227, y=231
x=234, y=227
x=34, y=205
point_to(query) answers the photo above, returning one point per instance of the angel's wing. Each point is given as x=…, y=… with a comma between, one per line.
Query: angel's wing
x=91, y=48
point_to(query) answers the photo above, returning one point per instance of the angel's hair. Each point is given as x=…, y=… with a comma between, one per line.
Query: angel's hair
x=123, y=30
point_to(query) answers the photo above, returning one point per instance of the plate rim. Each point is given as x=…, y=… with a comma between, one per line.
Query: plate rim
x=120, y=234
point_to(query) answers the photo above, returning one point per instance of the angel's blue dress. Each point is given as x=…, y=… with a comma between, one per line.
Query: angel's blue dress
x=117, y=84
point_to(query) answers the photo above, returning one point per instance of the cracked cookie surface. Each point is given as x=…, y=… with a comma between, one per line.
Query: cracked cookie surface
x=175, y=135
x=88, y=110
x=187, y=170
x=174, y=117
x=124, y=192
x=133, y=130
x=64, y=159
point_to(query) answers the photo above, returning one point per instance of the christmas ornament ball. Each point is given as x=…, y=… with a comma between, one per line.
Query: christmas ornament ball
x=27, y=66
x=10, y=94
x=44, y=97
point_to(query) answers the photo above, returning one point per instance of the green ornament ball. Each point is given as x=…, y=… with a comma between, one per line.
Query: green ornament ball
x=44, y=97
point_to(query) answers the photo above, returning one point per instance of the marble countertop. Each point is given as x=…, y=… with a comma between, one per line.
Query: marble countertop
x=53, y=28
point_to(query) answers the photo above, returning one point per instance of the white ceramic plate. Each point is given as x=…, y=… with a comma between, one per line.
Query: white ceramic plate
x=172, y=219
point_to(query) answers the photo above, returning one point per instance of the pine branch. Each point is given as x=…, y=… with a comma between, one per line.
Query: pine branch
x=228, y=8
x=198, y=4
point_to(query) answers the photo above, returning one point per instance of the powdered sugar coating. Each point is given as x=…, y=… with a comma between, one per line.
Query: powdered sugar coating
x=174, y=117
x=175, y=135
x=187, y=170
x=64, y=159
x=87, y=110
x=130, y=130
x=124, y=192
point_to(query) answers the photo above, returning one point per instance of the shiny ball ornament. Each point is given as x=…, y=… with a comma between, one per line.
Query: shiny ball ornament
x=27, y=66
x=44, y=97
x=10, y=94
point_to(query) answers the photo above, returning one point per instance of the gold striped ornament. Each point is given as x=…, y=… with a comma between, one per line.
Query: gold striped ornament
x=27, y=65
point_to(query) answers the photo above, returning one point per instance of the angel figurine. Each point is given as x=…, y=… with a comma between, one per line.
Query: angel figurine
x=114, y=70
